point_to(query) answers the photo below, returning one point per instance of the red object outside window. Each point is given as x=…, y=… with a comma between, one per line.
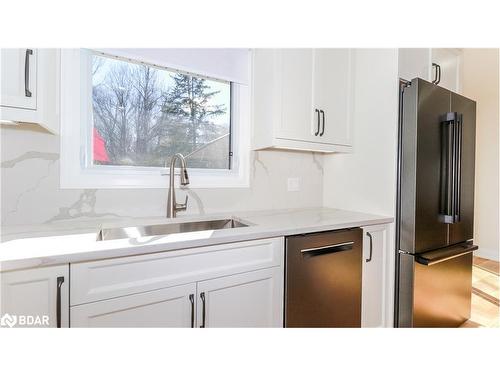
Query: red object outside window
x=100, y=153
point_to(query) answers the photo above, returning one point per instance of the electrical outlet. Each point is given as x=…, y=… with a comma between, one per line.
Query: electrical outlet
x=293, y=184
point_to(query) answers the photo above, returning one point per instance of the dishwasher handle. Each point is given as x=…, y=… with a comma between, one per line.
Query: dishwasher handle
x=328, y=249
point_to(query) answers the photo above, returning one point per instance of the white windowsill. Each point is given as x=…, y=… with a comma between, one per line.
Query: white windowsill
x=94, y=178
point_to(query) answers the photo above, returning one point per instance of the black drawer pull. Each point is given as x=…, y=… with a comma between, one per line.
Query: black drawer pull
x=60, y=282
x=203, y=312
x=191, y=299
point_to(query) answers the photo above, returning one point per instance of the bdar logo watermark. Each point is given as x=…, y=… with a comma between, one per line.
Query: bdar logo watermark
x=10, y=321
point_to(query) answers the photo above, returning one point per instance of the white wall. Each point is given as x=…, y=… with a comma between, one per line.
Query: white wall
x=366, y=179
x=481, y=83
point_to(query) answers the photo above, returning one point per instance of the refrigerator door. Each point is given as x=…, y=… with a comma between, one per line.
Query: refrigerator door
x=422, y=226
x=435, y=289
x=323, y=279
x=462, y=230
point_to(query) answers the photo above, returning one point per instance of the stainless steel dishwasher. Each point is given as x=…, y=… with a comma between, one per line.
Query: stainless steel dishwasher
x=323, y=279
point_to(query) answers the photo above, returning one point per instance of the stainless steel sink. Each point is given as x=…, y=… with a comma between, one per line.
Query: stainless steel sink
x=164, y=229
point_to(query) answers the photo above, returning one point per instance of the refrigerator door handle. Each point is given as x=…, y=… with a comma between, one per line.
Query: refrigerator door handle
x=446, y=210
x=458, y=163
x=437, y=256
x=450, y=168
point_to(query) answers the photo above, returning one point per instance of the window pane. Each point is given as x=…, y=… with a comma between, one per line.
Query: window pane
x=143, y=115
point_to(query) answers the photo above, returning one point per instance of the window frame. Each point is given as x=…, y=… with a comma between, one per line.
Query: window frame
x=78, y=171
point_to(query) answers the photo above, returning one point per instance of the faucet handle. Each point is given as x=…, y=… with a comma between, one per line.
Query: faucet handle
x=182, y=206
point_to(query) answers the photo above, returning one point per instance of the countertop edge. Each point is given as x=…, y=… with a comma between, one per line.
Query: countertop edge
x=143, y=249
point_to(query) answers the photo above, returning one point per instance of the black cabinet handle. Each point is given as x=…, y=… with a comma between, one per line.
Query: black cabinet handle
x=191, y=299
x=371, y=247
x=437, y=77
x=317, y=131
x=27, y=91
x=60, y=281
x=203, y=311
x=323, y=129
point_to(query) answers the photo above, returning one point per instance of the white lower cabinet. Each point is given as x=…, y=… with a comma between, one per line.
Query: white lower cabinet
x=230, y=285
x=169, y=307
x=376, y=277
x=251, y=299
x=37, y=297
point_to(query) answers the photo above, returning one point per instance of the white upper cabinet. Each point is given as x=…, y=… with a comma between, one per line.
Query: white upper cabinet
x=296, y=94
x=332, y=95
x=19, y=78
x=447, y=67
x=438, y=65
x=302, y=99
x=30, y=87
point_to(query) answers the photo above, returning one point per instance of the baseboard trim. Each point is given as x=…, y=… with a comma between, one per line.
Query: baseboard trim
x=492, y=254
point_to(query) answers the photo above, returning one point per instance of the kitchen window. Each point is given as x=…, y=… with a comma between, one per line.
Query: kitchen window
x=123, y=117
x=142, y=115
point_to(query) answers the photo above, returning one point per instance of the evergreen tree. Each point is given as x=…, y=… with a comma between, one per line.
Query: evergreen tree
x=189, y=100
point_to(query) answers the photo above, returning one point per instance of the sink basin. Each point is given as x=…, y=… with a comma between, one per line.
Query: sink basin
x=164, y=229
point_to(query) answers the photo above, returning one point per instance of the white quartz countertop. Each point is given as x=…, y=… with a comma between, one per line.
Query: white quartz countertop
x=76, y=241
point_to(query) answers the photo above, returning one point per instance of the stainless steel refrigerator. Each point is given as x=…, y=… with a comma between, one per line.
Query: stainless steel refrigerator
x=435, y=206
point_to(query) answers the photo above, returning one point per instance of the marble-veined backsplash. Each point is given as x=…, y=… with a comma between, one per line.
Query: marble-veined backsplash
x=30, y=192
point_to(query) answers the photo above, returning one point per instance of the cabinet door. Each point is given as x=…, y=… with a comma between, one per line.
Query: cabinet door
x=374, y=276
x=170, y=307
x=449, y=61
x=251, y=299
x=333, y=94
x=36, y=297
x=19, y=78
x=296, y=94
x=414, y=63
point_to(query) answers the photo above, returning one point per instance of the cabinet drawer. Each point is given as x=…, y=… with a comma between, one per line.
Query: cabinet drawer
x=99, y=280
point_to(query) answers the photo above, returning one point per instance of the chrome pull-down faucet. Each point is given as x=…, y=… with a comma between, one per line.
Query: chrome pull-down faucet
x=172, y=205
